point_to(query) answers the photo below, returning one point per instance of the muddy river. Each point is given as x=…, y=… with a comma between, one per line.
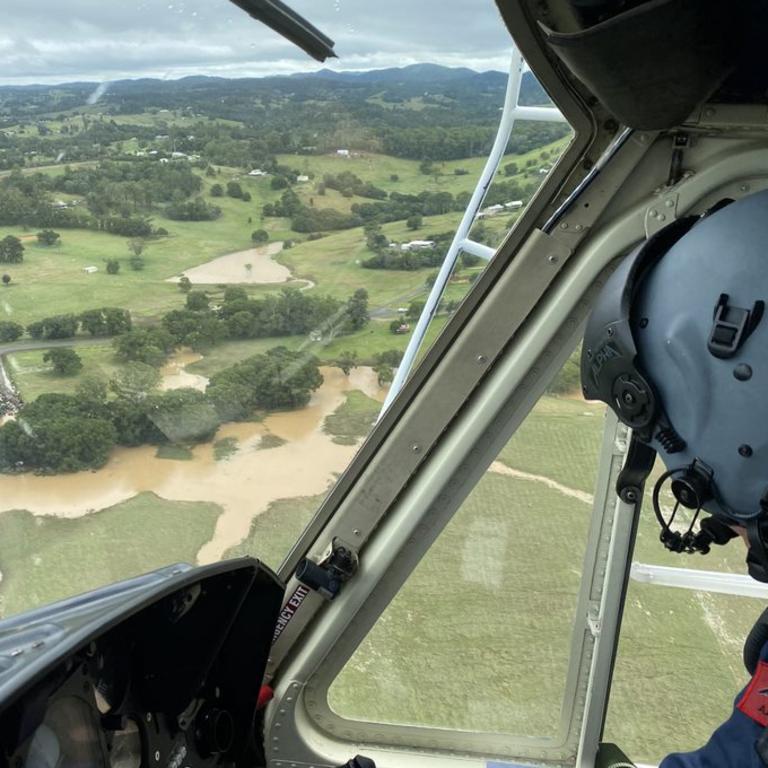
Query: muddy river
x=244, y=485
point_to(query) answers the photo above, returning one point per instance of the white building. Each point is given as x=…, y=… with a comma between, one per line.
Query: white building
x=302, y=179
x=257, y=172
x=342, y=152
x=418, y=245
x=178, y=155
x=493, y=210
x=514, y=205
x=90, y=270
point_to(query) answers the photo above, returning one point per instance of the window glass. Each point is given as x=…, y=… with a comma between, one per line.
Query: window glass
x=213, y=252
x=679, y=663
x=487, y=615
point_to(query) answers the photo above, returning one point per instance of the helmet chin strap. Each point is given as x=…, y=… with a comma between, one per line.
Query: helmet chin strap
x=757, y=555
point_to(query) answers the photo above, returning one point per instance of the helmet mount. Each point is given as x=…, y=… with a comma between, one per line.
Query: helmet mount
x=666, y=349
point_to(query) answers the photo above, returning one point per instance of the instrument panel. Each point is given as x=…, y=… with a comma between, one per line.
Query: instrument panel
x=172, y=684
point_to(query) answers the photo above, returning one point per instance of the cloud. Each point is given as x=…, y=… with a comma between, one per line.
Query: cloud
x=51, y=41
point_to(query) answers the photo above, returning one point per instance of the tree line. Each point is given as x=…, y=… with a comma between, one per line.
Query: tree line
x=397, y=207
x=69, y=433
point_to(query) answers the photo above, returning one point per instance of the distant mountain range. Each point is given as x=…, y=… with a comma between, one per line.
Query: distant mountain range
x=422, y=75
x=410, y=74
x=471, y=92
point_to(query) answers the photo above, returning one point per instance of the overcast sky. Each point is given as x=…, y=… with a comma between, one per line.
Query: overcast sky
x=63, y=40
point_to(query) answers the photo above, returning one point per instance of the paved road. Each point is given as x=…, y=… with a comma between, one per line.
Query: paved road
x=32, y=344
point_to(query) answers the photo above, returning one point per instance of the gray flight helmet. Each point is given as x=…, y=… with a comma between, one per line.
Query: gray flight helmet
x=677, y=346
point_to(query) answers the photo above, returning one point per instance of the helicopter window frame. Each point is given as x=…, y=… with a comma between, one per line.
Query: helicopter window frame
x=626, y=223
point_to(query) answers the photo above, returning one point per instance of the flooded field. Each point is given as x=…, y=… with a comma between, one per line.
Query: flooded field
x=243, y=485
x=255, y=265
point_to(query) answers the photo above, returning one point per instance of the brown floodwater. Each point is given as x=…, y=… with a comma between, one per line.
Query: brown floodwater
x=174, y=373
x=255, y=265
x=244, y=485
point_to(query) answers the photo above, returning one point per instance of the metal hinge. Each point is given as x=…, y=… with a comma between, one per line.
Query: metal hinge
x=595, y=618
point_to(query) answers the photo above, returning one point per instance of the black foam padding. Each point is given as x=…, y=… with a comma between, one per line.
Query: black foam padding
x=652, y=65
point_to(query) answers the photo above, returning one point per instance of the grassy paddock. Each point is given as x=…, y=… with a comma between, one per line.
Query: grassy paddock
x=378, y=169
x=33, y=377
x=353, y=419
x=48, y=558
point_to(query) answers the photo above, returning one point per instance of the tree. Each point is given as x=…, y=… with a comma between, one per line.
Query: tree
x=107, y=321
x=357, y=310
x=391, y=357
x=235, y=293
x=183, y=415
x=185, y=284
x=135, y=381
x=217, y=190
x=278, y=379
x=234, y=190
x=36, y=329
x=136, y=246
x=6, y=279
x=118, y=320
x=414, y=310
x=136, y=263
x=197, y=301
x=384, y=373
x=11, y=250
x=347, y=360
x=511, y=169
x=56, y=327
x=65, y=361
x=10, y=331
x=48, y=237
x=414, y=222
x=425, y=167
x=58, y=441
x=92, y=388
x=260, y=236
x=113, y=266
x=146, y=345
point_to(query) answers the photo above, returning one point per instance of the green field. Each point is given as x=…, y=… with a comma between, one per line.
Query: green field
x=52, y=280
x=494, y=599
x=378, y=170
x=33, y=377
x=353, y=419
x=48, y=558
